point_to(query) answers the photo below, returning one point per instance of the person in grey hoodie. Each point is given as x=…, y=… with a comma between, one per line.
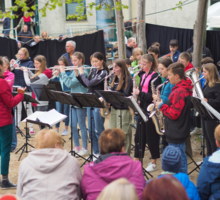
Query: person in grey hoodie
x=49, y=172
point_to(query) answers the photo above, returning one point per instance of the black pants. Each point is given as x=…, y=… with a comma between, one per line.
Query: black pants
x=208, y=127
x=146, y=133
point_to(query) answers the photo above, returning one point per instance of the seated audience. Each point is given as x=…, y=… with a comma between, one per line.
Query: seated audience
x=44, y=36
x=49, y=172
x=36, y=40
x=171, y=164
x=120, y=189
x=208, y=182
x=113, y=163
x=61, y=37
x=25, y=36
x=165, y=188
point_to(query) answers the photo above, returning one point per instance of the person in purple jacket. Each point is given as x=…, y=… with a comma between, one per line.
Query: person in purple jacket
x=112, y=164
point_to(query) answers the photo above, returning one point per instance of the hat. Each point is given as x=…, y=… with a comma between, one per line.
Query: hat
x=171, y=159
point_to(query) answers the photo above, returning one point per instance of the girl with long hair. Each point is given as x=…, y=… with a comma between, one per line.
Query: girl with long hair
x=121, y=82
x=95, y=81
x=77, y=115
x=7, y=102
x=211, y=92
x=63, y=108
x=146, y=132
x=40, y=77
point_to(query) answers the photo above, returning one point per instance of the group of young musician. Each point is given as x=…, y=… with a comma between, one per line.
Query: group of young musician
x=174, y=100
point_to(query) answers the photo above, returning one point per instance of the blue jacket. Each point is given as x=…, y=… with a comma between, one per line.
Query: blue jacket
x=176, y=56
x=19, y=75
x=64, y=87
x=166, y=90
x=208, y=182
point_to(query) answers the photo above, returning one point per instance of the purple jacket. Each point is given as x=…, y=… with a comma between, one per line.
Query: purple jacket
x=115, y=166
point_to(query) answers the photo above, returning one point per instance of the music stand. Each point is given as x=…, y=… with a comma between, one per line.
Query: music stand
x=27, y=99
x=131, y=102
x=65, y=98
x=205, y=115
x=57, y=84
x=88, y=100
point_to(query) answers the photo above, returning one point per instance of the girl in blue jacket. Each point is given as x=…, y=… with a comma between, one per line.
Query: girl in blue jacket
x=78, y=114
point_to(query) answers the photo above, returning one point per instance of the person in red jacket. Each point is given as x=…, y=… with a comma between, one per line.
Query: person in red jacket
x=184, y=58
x=176, y=111
x=7, y=102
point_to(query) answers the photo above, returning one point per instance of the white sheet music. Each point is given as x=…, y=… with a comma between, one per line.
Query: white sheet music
x=51, y=117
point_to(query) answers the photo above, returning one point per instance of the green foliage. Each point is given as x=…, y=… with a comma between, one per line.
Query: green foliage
x=53, y=4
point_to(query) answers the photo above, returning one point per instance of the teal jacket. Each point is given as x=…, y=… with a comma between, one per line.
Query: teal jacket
x=72, y=82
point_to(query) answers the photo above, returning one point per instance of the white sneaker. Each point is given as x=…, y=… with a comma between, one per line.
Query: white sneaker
x=196, y=131
x=83, y=152
x=76, y=151
x=199, y=163
x=151, y=167
x=65, y=132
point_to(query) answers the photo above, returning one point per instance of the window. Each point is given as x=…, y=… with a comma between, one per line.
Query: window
x=71, y=9
x=214, y=1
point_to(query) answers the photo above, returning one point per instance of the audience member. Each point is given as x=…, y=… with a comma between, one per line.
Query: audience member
x=171, y=163
x=120, y=189
x=174, y=50
x=25, y=36
x=6, y=25
x=61, y=37
x=205, y=51
x=208, y=183
x=165, y=188
x=129, y=47
x=113, y=163
x=49, y=172
x=28, y=22
x=19, y=44
x=36, y=40
x=106, y=41
x=156, y=44
x=44, y=36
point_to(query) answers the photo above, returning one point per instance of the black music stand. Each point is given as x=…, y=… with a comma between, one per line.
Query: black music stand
x=88, y=100
x=130, y=101
x=24, y=148
x=27, y=99
x=204, y=115
x=65, y=98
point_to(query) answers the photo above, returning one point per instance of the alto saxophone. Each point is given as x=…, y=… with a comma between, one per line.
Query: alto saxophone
x=104, y=112
x=155, y=114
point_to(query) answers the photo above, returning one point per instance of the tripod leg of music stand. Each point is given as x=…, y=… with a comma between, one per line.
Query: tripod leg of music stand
x=19, y=149
x=22, y=152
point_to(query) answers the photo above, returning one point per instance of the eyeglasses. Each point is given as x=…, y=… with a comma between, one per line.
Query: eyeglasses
x=68, y=46
x=20, y=54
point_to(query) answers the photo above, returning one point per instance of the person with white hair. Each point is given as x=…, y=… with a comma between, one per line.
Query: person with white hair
x=49, y=172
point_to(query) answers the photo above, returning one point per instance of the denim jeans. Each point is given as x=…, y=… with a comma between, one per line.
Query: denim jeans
x=97, y=127
x=63, y=109
x=14, y=136
x=182, y=147
x=78, y=115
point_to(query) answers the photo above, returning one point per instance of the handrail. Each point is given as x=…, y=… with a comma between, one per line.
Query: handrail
x=9, y=29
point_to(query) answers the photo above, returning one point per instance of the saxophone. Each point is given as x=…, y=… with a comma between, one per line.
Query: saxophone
x=104, y=112
x=156, y=114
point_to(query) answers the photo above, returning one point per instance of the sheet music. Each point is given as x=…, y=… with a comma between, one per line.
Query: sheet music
x=51, y=117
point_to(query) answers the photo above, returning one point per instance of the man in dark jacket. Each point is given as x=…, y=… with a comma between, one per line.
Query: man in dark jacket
x=177, y=110
x=6, y=25
x=208, y=182
x=130, y=46
x=25, y=36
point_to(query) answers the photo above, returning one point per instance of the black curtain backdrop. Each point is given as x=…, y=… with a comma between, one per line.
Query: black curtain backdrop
x=53, y=49
x=163, y=35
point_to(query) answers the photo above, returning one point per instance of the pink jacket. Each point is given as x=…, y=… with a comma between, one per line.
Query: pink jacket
x=120, y=165
x=9, y=77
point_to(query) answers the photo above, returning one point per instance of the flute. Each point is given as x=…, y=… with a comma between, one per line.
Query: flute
x=19, y=68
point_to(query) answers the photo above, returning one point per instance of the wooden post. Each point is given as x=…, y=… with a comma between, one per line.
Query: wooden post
x=199, y=32
x=120, y=32
x=141, y=26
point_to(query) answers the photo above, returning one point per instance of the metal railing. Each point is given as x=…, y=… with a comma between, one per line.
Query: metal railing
x=15, y=34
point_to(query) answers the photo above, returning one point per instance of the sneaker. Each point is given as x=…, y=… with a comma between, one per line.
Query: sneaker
x=196, y=131
x=83, y=152
x=13, y=149
x=65, y=132
x=6, y=184
x=199, y=163
x=75, y=150
x=31, y=131
x=151, y=167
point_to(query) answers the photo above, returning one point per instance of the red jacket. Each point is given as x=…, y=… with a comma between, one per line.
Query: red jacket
x=189, y=66
x=7, y=102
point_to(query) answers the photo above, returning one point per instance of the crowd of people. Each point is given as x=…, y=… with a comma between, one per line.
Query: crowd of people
x=113, y=169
